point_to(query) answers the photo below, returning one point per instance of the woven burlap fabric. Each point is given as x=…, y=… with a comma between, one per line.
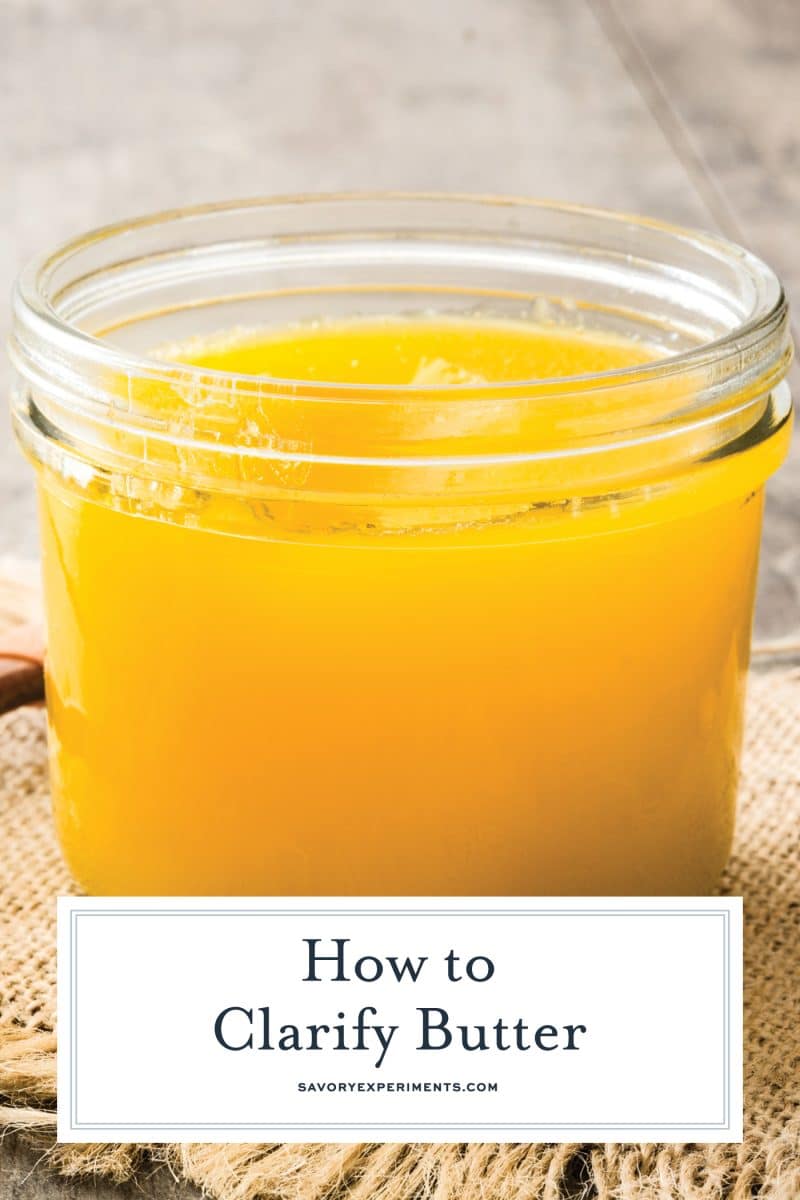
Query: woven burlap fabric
x=765, y=869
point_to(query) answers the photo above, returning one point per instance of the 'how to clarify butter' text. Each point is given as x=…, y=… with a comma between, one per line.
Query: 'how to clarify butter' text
x=434, y=1028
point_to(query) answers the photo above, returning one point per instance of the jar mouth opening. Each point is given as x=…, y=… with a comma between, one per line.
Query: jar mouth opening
x=91, y=394
x=39, y=301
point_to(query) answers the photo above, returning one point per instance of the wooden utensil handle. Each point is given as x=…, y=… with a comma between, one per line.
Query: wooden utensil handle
x=21, y=666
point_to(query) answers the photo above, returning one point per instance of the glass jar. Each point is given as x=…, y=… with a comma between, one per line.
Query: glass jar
x=334, y=638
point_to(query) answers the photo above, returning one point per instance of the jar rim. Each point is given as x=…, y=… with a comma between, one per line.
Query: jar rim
x=86, y=402
x=35, y=310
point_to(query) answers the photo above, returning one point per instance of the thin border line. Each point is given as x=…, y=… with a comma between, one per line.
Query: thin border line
x=76, y=1124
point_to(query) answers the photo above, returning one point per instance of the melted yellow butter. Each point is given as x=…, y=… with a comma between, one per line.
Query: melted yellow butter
x=257, y=694
x=426, y=352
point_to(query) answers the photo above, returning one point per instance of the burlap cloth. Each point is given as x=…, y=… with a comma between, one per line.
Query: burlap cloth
x=765, y=869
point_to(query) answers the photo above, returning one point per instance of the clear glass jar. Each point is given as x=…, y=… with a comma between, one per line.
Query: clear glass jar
x=329, y=638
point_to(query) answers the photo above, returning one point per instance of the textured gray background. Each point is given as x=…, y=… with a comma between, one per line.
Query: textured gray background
x=686, y=109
